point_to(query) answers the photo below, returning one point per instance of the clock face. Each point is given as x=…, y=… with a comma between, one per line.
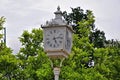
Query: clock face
x=68, y=41
x=54, y=38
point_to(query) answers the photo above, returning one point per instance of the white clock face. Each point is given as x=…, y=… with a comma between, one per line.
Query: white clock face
x=54, y=38
x=68, y=40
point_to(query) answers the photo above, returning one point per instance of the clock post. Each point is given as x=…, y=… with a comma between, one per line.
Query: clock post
x=57, y=37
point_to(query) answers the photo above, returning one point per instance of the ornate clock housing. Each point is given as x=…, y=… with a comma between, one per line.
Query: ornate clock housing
x=57, y=36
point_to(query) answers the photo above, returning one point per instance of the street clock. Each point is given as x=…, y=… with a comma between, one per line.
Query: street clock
x=57, y=36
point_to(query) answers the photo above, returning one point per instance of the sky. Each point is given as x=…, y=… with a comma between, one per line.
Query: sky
x=28, y=14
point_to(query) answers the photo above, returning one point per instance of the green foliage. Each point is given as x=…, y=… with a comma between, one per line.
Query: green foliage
x=89, y=43
x=31, y=42
x=79, y=20
x=8, y=64
x=36, y=65
x=98, y=38
x=2, y=20
x=8, y=61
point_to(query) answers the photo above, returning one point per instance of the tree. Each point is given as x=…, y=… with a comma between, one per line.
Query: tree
x=76, y=66
x=35, y=64
x=90, y=41
x=8, y=61
x=96, y=36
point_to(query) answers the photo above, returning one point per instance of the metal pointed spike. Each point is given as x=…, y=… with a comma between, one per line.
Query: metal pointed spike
x=58, y=8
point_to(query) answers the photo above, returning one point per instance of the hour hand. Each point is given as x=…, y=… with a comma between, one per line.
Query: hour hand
x=55, y=40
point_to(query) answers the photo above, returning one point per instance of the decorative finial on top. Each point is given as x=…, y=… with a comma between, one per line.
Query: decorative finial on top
x=58, y=20
x=58, y=8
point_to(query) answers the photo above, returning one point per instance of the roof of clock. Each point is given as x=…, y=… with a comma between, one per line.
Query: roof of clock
x=58, y=20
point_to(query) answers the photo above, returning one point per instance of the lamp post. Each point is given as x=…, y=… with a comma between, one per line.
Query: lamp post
x=4, y=35
x=57, y=37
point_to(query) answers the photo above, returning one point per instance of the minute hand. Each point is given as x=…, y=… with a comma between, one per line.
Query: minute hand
x=58, y=37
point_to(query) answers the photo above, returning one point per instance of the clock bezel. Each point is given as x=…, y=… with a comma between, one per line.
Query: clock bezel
x=48, y=48
x=54, y=38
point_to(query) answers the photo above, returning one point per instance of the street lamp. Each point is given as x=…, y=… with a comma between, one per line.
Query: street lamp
x=57, y=37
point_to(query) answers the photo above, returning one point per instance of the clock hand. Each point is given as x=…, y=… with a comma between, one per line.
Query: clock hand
x=55, y=40
x=58, y=37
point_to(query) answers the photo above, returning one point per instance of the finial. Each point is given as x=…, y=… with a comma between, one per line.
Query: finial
x=58, y=8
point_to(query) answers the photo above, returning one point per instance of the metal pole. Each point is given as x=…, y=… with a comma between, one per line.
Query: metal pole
x=56, y=73
x=5, y=36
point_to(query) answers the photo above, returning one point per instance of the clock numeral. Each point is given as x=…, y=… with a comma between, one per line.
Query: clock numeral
x=54, y=31
x=54, y=46
x=48, y=42
x=60, y=34
x=57, y=45
x=50, y=32
x=60, y=41
x=48, y=35
x=61, y=37
x=47, y=38
x=50, y=45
